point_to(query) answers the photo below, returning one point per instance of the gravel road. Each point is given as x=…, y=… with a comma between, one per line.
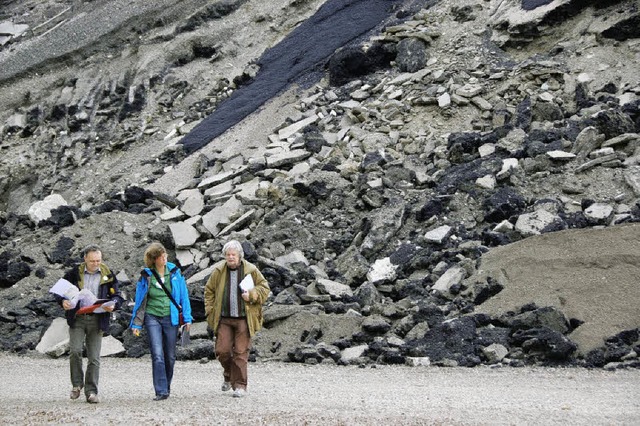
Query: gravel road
x=35, y=391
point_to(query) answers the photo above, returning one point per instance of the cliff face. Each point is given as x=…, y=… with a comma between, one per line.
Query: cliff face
x=451, y=180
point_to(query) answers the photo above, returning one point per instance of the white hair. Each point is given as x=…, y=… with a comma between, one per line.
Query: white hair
x=235, y=246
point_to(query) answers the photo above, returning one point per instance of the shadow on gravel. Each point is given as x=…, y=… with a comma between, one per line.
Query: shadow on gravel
x=334, y=25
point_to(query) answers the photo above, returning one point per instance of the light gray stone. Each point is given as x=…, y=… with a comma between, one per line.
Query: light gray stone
x=598, y=212
x=55, y=341
x=333, y=288
x=529, y=224
x=381, y=271
x=420, y=361
x=292, y=258
x=438, y=235
x=218, y=217
x=184, y=235
x=349, y=355
x=451, y=277
x=41, y=210
x=296, y=127
x=287, y=157
x=495, y=353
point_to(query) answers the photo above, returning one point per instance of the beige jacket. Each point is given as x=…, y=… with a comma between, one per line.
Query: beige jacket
x=214, y=291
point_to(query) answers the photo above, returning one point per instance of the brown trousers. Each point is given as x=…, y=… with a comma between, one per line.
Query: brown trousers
x=232, y=350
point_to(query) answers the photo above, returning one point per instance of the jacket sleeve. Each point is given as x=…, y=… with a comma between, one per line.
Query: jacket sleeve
x=114, y=292
x=184, y=300
x=137, y=315
x=210, y=292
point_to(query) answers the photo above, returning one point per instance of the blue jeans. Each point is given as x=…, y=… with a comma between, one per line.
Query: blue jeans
x=162, y=344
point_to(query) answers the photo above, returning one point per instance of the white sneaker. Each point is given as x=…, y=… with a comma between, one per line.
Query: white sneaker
x=239, y=393
x=225, y=386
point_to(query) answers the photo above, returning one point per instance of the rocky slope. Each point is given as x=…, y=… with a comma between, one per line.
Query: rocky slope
x=459, y=184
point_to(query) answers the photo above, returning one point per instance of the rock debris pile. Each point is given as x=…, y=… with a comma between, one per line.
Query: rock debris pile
x=368, y=209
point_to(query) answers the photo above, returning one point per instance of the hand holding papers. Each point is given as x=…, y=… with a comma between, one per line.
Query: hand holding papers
x=97, y=307
x=66, y=290
x=87, y=301
x=247, y=283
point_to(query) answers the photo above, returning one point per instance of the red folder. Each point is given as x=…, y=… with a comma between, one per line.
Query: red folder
x=89, y=309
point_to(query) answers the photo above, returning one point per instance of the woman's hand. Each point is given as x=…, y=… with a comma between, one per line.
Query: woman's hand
x=136, y=332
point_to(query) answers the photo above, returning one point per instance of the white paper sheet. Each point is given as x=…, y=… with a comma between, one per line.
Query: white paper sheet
x=64, y=288
x=247, y=283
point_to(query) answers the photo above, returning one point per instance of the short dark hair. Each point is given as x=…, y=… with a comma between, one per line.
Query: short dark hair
x=90, y=249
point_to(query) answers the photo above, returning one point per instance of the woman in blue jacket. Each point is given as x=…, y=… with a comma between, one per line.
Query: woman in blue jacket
x=162, y=301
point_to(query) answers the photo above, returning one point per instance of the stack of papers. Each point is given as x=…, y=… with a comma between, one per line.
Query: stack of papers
x=87, y=301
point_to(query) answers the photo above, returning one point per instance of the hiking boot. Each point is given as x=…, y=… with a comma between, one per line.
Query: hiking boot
x=239, y=393
x=93, y=398
x=225, y=386
x=75, y=392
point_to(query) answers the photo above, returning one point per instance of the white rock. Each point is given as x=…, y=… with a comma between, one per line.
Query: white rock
x=486, y=149
x=111, y=347
x=333, y=288
x=218, y=217
x=382, y=270
x=451, y=277
x=438, y=235
x=486, y=182
x=560, y=155
x=185, y=257
x=184, y=235
x=421, y=361
x=296, y=127
x=532, y=223
x=508, y=164
x=353, y=353
x=173, y=214
x=495, y=353
x=289, y=259
x=56, y=336
x=504, y=226
x=444, y=100
x=41, y=210
x=598, y=212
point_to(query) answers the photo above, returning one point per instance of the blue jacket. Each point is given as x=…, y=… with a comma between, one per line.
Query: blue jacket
x=178, y=291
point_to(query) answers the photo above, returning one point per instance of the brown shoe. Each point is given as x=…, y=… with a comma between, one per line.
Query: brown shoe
x=75, y=392
x=93, y=398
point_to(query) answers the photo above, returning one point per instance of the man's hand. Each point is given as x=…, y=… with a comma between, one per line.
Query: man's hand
x=136, y=332
x=66, y=305
x=245, y=296
x=108, y=308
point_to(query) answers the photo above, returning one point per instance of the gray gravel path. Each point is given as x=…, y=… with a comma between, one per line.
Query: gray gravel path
x=35, y=391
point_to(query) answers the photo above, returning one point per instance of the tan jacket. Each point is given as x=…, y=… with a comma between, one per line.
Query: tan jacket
x=214, y=291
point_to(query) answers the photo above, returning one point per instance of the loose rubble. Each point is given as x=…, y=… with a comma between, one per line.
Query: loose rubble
x=370, y=208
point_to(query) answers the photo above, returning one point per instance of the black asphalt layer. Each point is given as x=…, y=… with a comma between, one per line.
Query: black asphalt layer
x=335, y=24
